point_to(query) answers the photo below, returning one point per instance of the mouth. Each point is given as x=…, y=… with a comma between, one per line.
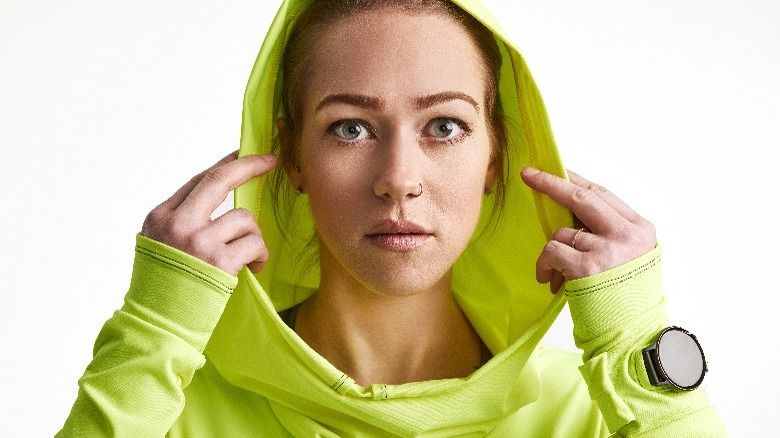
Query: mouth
x=398, y=236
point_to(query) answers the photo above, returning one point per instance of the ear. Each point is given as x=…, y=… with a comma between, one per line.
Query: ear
x=490, y=176
x=291, y=168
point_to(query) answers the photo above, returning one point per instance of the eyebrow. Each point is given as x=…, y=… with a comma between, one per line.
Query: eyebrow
x=377, y=103
x=351, y=99
x=430, y=100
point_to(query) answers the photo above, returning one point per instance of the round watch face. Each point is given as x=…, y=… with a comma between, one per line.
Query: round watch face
x=681, y=358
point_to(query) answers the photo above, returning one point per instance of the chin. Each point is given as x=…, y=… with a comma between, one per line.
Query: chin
x=404, y=281
x=391, y=273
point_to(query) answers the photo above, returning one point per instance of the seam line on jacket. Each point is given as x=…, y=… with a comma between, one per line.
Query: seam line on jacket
x=186, y=268
x=530, y=139
x=615, y=281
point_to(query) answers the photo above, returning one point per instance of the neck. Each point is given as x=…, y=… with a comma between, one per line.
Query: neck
x=387, y=338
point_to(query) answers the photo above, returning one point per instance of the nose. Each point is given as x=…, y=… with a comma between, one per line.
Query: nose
x=399, y=168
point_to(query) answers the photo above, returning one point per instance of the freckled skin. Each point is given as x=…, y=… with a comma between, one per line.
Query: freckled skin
x=393, y=102
x=396, y=57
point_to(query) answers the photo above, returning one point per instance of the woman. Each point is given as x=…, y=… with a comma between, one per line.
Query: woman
x=397, y=286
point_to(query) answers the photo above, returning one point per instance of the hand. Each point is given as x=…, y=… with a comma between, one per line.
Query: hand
x=613, y=234
x=228, y=242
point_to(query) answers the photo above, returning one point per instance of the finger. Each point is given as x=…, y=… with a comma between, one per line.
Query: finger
x=258, y=265
x=234, y=224
x=560, y=257
x=580, y=239
x=544, y=273
x=252, y=251
x=593, y=211
x=176, y=199
x=616, y=203
x=217, y=182
x=556, y=282
x=578, y=224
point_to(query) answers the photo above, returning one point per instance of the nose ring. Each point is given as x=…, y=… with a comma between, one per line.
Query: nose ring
x=418, y=193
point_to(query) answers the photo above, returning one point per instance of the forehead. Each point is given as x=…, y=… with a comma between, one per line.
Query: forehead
x=391, y=53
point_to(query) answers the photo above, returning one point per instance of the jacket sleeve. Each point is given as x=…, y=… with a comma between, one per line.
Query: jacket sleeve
x=147, y=353
x=616, y=314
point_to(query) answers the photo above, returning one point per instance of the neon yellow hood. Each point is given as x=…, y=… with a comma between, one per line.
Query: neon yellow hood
x=494, y=280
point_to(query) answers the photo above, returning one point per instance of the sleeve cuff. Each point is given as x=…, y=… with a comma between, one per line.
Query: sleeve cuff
x=176, y=291
x=617, y=306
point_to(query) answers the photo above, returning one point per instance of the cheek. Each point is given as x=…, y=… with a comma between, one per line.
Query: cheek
x=461, y=186
x=334, y=189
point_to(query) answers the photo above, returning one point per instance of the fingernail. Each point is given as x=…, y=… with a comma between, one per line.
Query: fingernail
x=268, y=157
x=528, y=170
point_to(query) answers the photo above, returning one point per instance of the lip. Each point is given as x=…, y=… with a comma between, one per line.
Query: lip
x=398, y=236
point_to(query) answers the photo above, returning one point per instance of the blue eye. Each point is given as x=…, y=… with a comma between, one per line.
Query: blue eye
x=349, y=130
x=445, y=128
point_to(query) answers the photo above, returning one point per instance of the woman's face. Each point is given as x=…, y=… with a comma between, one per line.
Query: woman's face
x=393, y=105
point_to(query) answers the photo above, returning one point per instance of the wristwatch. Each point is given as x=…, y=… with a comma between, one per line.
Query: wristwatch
x=675, y=359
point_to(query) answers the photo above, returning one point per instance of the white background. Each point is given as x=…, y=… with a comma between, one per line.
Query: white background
x=107, y=107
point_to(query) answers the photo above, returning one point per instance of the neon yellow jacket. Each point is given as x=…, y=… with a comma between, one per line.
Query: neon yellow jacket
x=195, y=351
